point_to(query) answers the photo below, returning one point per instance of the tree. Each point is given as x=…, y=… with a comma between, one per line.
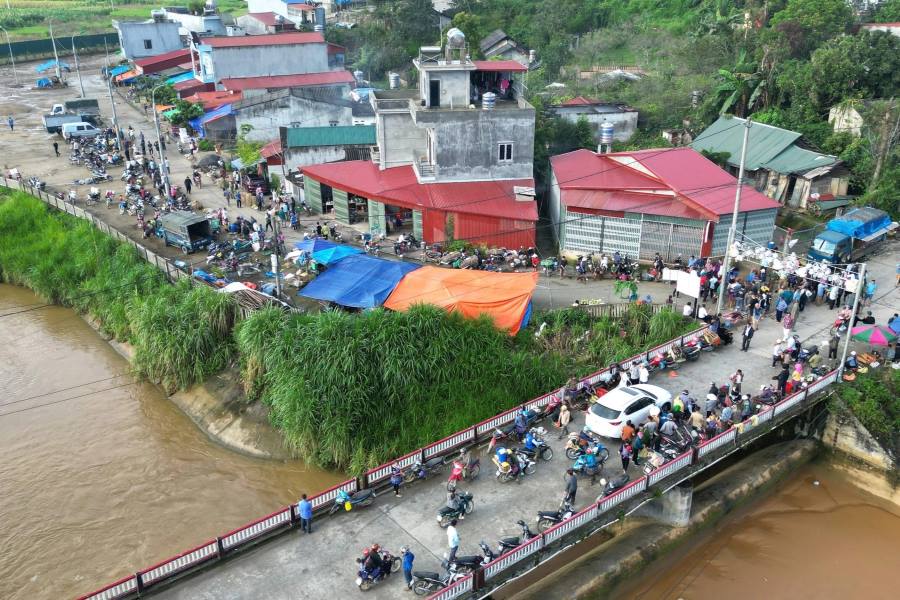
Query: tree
x=818, y=20
x=246, y=150
x=740, y=87
x=185, y=112
x=888, y=11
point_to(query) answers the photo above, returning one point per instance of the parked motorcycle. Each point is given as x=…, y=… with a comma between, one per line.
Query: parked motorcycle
x=506, y=544
x=507, y=472
x=422, y=470
x=548, y=518
x=584, y=467
x=465, y=506
x=575, y=448
x=428, y=582
x=365, y=580
x=467, y=564
x=613, y=485
x=348, y=502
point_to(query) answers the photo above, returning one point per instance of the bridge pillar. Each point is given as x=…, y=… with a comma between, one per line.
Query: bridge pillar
x=672, y=508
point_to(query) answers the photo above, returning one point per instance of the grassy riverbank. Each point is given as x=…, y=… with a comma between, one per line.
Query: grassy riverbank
x=347, y=390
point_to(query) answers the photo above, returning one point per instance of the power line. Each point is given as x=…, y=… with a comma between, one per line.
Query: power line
x=62, y=390
x=21, y=410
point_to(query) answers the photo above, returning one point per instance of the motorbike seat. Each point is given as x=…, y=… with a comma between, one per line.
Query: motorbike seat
x=467, y=560
x=426, y=575
x=548, y=513
x=446, y=510
x=510, y=541
x=433, y=462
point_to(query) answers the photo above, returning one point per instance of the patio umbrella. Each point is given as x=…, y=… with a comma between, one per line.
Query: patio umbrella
x=874, y=335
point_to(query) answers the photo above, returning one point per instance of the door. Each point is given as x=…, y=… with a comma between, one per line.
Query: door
x=434, y=93
x=638, y=411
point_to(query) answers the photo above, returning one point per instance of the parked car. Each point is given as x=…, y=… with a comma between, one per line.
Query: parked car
x=251, y=182
x=608, y=415
x=79, y=129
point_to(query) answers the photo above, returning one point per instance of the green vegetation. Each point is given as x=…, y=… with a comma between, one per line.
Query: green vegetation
x=181, y=334
x=874, y=398
x=27, y=19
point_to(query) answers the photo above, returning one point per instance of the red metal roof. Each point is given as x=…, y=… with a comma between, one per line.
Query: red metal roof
x=215, y=99
x=336, y=48
x=270, y=39
x=580, y=101
x=161, y=62
x=499, y=65
x=399, y=186
x=192, y=86
x=273, y=148
x=287, y=81
x=269, y=19
x=699, y=188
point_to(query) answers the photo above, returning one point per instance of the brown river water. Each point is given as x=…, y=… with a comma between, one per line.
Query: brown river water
x=805, y=541
x=100, y=476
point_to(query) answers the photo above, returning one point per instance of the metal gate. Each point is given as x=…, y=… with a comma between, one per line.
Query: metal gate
x=376, y=218
x=655, y=238
x=686, y=241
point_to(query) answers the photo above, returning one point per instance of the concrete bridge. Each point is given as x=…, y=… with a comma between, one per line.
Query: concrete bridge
x=288, y=564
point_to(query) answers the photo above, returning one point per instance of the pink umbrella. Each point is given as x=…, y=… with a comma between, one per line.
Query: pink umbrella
x=874, y=335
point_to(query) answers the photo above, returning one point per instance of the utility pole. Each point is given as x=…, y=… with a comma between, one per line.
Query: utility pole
x=276, y=257
x=77, y=70
x=112, y=101
x=859, y=291
x=162, y=156
x=11, y=57
x=55, y=55
x=723, y=283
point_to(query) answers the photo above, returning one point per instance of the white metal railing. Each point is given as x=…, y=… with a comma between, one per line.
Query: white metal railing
x=716, y=442
x=328, y=496
x=513, y=556
x=384, y=471
x=179, y=563
x=669, y=468
x=629, y=491
x=789, y=403
x=257, y=528
x=570, y=524
x=453, y=441
x=118, y=589
x=456, y=590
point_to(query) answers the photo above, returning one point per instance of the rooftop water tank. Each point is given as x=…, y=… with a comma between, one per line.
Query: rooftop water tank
x=394, y=80
x=456, y=38
x=488, y=101
x=320, y=17
x=358, y=75
x=606, y=133
x=319, y=28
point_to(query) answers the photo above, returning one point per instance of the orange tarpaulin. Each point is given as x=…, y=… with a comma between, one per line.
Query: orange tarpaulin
x=503, y=296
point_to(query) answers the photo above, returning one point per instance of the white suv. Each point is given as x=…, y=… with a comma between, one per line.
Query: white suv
x=608, y=415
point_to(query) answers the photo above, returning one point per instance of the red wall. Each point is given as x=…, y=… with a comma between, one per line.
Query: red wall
x=494, y=231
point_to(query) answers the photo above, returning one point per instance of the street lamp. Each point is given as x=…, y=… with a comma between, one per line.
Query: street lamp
x=11, y=58
x=162, y=154
x=77, y=70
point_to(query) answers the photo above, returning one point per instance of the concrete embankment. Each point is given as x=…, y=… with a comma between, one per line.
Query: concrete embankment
x=637, y=542
x=219, y=408
x=856, y=452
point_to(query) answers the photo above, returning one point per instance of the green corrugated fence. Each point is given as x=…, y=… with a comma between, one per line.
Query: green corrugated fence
x=31, y=49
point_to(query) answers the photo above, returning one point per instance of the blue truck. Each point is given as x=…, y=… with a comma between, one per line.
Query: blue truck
x=850, y=237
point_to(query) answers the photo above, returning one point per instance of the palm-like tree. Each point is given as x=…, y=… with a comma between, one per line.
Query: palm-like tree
x=740, y=88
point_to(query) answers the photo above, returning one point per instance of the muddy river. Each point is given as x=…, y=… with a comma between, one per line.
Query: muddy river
x=100, y=475
x=820, y=541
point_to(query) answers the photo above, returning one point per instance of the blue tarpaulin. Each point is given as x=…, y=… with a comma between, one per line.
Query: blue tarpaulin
x=51, y=64
x=860, y=222
x=358, y=281
x=314, y=245
x=326, y=252
x=198, y=123
x=119, y=70
x=44, y=82
x=180, y=77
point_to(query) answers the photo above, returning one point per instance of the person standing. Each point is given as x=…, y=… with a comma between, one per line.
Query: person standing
x=736, y=380
x=187, y=185
x=305, y=510
x=408, y=558
x=833, y=343
x=782, y=379
x=452, y=540
x=396, y=479
x=11, y=122
x=777, y=350
x=237, y=198
x=625, y=455
x=571, y=487
x=788, y=324
x=56, y=148
x=637, y=446
x=747, y=335
x=565, y=416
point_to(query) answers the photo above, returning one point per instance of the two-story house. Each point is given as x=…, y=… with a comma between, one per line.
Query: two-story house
x=453, y=157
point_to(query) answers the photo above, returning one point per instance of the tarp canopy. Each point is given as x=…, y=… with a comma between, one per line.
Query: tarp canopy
x=333, y=255
x=126, y=76
x=505, y=297
x=180, y=77
x=860, y=222
x=119, y=70
x=358, y=281
x=51, y=64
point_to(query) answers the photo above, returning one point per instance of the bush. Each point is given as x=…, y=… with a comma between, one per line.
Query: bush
x=206, y=146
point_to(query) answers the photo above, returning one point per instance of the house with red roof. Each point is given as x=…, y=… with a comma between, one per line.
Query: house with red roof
x=669, y=201
x=259, y=23
x=597, y=112
x=452, y=158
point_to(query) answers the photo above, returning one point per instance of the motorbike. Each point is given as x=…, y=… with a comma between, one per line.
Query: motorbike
x=336, y=235
x=467, y=564
x=36, y=183
x=506, y=544
x=428, y=582
x=93, y=195
x=583, y=468
x=422, y=470
x=768, y=395
x=542, y=450
x=613, y=485
x=548, y=518
x=462, y=471
x=575, y=448
x=365, y=580
x=348, y=502
x=507, y=472
x=465, y=506
x=662, y=361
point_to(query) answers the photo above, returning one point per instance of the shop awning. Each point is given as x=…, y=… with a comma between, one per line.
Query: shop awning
x=126, y=76
x=358, y=281
x=505, y=297
x=180, y=77
x=119, y=70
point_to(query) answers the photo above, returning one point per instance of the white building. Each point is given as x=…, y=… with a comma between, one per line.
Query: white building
x=623, y=118
x=141, y=39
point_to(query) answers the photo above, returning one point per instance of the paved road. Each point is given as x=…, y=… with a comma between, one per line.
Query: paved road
x=321, y=565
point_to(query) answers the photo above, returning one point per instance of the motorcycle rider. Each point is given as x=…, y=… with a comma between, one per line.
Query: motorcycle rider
x=454, y=502
x=504, y=455
x=530, y=445
x=521, y=423
x=372, y=563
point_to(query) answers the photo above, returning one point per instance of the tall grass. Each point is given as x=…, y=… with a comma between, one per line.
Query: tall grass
x=181, y=334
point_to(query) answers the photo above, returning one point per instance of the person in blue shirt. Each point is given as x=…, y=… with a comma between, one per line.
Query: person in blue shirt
x=521, y=423
x=305, y=510
x=870, y=290
x=408, y=558
x=529, y=441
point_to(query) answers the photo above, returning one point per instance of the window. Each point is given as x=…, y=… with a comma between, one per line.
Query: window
x=148, y=44
x=332, y=123
x=636, y=406
x=505, y=152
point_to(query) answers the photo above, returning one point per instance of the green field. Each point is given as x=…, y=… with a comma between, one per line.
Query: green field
x=28, y=19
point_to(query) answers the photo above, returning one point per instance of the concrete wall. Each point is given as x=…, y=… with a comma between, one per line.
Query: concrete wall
x=625, y=122
x=204, y=25
x=398, y=139
x=845, y=119
x=846, y=434
x=288, y=111
x=454, y=87
x=261, y=61
x=163, y=38
x=467, y=143
x=302, y=157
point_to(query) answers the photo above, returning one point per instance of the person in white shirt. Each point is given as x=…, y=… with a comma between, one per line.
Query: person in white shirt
x=452, y=540
x=687, y=310
x=701, y=313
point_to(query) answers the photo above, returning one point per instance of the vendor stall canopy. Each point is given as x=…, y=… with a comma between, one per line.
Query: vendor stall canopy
x=358, y=281
x=326, y=252
x=505, y=297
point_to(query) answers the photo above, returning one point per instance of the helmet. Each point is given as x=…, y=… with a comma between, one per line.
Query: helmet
x=366, y=552
x=375, y=547
x=404, y=549
x=853, y=353
x=587, y=429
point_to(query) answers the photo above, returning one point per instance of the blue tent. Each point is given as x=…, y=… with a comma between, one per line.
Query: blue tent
x=180, y=77
x=332, y=255
x=119, y=70
x=51, y=64
x=314, y=245
x=198, y=123
x=358, y=281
